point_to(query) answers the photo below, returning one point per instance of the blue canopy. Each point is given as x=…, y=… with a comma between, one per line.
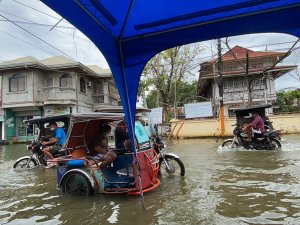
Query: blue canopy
x=129, y=33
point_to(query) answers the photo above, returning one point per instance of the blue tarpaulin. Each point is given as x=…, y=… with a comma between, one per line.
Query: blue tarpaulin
x=130, y=32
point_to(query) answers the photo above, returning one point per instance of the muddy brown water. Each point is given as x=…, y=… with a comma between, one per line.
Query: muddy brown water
x=221, y=186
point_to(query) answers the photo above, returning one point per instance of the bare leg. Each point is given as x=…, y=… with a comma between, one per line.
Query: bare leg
x=249, y=133
x=108, y=159
x=46, y=151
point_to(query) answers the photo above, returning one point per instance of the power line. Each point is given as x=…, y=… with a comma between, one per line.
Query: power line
x=37, y=10
x=34, y=23
x=11, y=35
x=37, y=24
x=27, y=31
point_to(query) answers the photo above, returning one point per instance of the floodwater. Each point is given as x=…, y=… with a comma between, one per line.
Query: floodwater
x=221, y=186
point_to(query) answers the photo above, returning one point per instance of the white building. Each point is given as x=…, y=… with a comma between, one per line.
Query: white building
x=57, y=85
x=235, y=81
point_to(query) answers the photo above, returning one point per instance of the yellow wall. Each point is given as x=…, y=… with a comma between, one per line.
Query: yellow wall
x=210, y=127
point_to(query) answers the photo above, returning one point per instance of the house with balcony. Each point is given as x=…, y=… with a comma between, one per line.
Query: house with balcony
x=235, y=81
x=33, y=88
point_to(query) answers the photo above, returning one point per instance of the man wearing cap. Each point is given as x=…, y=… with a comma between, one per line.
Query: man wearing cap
x=56, y=143
x=257, y=124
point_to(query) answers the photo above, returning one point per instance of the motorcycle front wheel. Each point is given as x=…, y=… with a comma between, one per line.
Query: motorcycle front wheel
x=274, y=144
x=176, y=166
x=25, y=163
x=230, y=144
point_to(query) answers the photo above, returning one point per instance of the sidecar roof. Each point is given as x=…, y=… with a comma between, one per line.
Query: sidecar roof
x=258, y=108
x=48, y=119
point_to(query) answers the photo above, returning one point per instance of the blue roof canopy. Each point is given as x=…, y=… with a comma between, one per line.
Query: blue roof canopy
x=130, y=32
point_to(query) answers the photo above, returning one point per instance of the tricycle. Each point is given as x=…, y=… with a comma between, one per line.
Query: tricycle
x=36, y=156
x=269, y=140
x=80, y=173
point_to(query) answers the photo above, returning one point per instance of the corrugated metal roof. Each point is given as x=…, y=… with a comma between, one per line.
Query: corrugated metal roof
x=240, y=54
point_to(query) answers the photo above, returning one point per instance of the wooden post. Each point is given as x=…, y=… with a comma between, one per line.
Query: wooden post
x=172, y=130
x=176, y=135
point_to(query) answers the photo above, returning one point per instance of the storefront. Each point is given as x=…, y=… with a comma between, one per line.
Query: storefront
x=15, y=127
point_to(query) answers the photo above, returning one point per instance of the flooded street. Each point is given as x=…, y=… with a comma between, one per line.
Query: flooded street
x=221, y=186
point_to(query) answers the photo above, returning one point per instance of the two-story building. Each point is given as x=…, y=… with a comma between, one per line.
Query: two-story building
x=32, y=88
x=261, y=71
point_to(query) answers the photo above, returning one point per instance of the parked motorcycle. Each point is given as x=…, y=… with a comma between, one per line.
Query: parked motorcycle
x=169, y=163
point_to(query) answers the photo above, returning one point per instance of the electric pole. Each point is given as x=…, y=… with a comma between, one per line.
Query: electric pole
x=220, y=84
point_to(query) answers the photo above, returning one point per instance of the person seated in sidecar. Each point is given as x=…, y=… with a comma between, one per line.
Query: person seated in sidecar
x=100, y=148
x=122, y=140
x=54, y=145
x=121, y=135
x=257, y=126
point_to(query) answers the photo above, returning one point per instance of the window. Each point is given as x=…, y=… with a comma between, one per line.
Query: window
x=17, y=83
x=98, y=88
x=258, y=65
x=231, y=68
x=65, y=81
x=50, y=82
x=82, y=85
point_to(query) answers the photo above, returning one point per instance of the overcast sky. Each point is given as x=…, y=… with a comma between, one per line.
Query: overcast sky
x=16, y=43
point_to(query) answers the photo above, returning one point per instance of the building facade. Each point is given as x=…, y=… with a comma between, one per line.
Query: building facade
x=33, y=88
x=261, y=76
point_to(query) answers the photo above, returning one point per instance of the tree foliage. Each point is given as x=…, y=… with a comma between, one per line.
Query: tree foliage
x=288, y=101
x=186, y=92
x=169, y=68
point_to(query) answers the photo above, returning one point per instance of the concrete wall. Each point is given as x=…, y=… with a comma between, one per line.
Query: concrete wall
x=208, y=128
x=20, y=98
x=38, y=85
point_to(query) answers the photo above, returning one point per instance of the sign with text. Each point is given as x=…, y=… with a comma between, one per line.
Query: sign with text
x=156, y=115
x=198, y=110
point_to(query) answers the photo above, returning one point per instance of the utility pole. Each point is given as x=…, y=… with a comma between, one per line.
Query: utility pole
x=220, y=84
x=175, y=100
x=247, y=80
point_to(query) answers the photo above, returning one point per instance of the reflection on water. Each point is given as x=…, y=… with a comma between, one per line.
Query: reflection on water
x=222, y=186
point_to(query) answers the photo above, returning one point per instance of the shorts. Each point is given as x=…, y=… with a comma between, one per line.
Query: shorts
x=55, y=148
x=98, y=156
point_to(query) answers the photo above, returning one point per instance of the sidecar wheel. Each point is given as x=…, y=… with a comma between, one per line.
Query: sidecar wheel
x=177, y=166
x=22, y=163
x=77, y=184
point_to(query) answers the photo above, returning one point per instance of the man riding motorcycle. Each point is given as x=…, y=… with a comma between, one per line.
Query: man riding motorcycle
x=256, y=127
x=54, y=145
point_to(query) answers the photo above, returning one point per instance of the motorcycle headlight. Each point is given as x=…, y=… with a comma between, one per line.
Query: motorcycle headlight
x=28, y=147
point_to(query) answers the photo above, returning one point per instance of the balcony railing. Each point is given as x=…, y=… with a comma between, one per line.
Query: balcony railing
x=59, y=93
x=237, y=97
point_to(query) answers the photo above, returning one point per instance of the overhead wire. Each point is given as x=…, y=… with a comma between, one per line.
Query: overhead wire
x=37, y=10
x=35, y=23
x=37, y=37
x=27, y=42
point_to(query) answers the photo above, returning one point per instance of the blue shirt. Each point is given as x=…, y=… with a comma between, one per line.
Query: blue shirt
x=61, y=135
